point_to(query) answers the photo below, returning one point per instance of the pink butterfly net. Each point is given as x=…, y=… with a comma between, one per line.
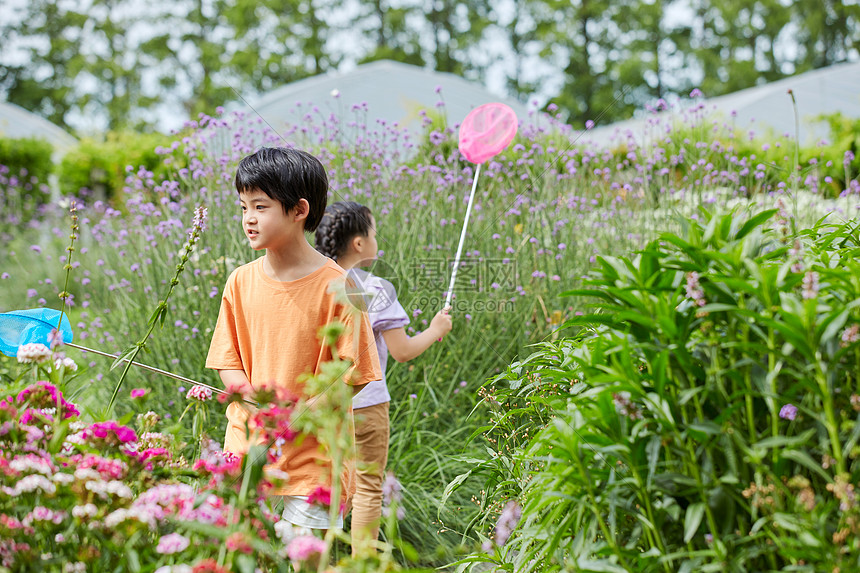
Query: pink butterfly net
x=486, y=131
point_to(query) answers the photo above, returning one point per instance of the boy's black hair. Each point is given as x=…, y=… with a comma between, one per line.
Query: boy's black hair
x=286, y=175
x=341, y=222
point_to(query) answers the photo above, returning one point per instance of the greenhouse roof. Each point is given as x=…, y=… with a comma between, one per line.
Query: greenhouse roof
x=18, y=123
x=768, y=108
x=392, y=91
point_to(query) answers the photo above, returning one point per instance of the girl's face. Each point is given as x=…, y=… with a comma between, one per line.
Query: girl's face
x=369, y=247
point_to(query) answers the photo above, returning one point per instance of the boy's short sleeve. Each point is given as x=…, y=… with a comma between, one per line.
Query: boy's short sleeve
x=358, y=345
x=224, y=348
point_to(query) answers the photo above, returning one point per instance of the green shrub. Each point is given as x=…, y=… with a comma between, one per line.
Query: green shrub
x=31, y=154
x=101, y=167
x=704, y=418
x=25, y=165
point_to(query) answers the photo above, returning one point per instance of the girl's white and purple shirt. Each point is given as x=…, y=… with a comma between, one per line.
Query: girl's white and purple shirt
x=385, y=313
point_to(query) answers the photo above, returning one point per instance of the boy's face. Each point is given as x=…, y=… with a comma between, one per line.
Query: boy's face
x=265, y=223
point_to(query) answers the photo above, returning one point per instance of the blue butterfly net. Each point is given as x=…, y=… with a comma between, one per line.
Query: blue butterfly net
x=35, y=325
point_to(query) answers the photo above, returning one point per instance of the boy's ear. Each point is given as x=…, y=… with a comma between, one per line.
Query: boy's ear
x=301, y=210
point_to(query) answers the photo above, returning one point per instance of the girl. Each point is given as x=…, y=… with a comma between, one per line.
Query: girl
x=347, y=234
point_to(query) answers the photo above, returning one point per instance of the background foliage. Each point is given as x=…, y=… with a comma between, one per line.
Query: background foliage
x=118, y=61
x=704, y=417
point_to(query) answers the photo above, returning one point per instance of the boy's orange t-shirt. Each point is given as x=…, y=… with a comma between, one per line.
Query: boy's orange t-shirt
x=268, y=329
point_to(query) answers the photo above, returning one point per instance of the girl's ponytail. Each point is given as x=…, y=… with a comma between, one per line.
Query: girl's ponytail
x=341, y=222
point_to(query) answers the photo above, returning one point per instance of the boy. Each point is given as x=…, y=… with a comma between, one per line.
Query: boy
x=273, y=307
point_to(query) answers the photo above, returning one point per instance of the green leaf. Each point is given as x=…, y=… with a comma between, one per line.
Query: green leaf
x=754, y=222
x=133, y=559
x=783, y=441
x=702, y=430
x=245, y=563
x=128, y=354
x=835, y=325
x=599, y=566
x=449, y=489
x=806, y=461
x=693, y=519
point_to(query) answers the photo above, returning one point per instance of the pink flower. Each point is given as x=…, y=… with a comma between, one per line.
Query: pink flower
x=44, y=395
x=320, y=496
x=507, y=522
x=138, y=393
x=238, y=542
x=153, y=454
x=235, y=393
x=851, y=335
x=110, y=431
x=305, y=547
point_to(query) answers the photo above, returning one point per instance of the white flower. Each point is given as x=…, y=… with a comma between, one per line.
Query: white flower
x=198, y=392
x=63, y=479
x=32, y=483
x=174, y=569
x=31, y=464
x=81, y=511
x=87, y=474
x=33, y=352
x=65, y=363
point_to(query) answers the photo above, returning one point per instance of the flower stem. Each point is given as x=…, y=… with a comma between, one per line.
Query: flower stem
x=160, y=310
x=64, y=294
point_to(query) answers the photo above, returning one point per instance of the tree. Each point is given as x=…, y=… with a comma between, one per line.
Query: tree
x=47, y=41
x=387, y=27
x=585, y=45
x=828, y=31
x=455, y=26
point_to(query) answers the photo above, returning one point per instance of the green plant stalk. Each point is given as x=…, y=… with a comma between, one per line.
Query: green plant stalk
x=774, y=419
x=161, y=309
x=243, y=496
x=712, y=523
x=857, y=368
x=831, y=424
x=610, y=539
x=693, y=466
x=795, y=186
x=139, y=345
x=748, y=395
x=334, y=510
x=656, y=538
x=64, y=294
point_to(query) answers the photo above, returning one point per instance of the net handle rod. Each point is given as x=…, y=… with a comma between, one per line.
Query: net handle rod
x=150, y=368
x=450, y=294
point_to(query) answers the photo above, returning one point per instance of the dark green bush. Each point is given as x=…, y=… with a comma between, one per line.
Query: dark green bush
x=705, y=418
x=25, y=165
x=30, y=154
x=101, y=167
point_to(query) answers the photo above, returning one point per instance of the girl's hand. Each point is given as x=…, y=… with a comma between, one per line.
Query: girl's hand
x=441, y=323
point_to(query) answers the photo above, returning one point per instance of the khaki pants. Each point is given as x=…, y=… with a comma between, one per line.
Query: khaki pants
x=371, y=441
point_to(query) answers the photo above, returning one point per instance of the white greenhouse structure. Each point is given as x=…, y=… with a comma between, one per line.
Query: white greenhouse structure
x=18, y=123
x=764, y=109
x=392, y=92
